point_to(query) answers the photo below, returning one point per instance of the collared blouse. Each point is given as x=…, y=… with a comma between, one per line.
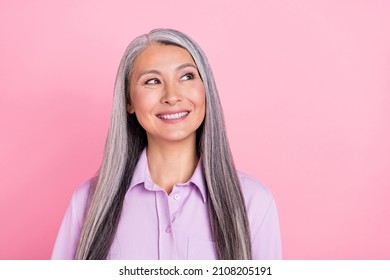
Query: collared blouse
x=155, y=225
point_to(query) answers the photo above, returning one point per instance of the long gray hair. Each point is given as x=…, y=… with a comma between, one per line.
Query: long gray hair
x=125, y=142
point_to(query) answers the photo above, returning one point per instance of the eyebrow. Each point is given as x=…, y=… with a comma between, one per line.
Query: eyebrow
x=153, y=71
x=185, y=65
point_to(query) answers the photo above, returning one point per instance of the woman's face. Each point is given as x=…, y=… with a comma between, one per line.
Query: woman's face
x=167, y=94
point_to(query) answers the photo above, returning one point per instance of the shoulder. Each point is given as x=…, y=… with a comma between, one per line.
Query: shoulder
x=69, y=233
x=254, y=190
x=80, y=195
x=258, y=199
x=262, y=217
x=79, y=200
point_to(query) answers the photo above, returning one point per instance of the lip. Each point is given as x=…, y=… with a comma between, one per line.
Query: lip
x=173, y=120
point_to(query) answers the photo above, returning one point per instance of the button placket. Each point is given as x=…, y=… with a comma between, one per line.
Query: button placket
x=175, y=202
x=167, y=248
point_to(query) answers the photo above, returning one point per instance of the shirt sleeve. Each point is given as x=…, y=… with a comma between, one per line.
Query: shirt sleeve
x=69, y=233
x=263, y=219
x=266, y=242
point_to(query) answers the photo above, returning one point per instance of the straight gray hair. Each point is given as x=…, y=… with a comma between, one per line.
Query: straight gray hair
x=125, y=142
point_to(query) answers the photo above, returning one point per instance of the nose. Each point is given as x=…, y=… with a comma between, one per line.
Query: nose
x=171, y=94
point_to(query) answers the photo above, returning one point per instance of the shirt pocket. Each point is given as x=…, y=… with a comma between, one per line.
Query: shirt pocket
x=201, y=249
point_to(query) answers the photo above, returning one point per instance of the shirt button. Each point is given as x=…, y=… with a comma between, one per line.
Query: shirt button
x=176, y=196
x=168, y=229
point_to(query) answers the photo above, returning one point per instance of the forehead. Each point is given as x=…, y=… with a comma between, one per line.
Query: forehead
x=162, y=56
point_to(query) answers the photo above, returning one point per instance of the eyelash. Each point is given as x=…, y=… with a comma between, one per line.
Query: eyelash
x=191, y=76
x=148, y=82
x=156, y=81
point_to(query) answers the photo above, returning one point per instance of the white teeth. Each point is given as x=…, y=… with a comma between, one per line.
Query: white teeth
x=173, y=116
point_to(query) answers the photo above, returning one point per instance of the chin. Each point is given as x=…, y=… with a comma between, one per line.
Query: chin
x=178, y=137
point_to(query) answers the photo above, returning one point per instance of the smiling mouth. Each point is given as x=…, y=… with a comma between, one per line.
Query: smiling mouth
x=174, y=116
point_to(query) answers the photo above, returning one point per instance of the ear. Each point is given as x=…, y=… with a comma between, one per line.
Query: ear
x=130, y=108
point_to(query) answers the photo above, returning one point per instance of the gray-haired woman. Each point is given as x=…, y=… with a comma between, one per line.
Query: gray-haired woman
x=167, y=187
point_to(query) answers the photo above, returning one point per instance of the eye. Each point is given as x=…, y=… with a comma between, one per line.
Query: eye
x=153, y=81
x=188, y=76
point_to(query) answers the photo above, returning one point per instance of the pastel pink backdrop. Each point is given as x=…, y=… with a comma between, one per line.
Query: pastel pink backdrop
x=305, y=88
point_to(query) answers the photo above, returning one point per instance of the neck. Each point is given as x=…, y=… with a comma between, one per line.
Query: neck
x=171, y=163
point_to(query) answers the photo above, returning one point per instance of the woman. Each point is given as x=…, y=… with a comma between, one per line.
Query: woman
x=167, y=187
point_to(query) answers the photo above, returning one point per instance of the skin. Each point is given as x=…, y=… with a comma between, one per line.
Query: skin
x=165, y=80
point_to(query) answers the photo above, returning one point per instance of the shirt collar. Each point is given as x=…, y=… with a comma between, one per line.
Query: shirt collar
x=141, y=175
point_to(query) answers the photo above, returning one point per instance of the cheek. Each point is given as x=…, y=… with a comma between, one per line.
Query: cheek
x=142, y=102
x=197, y=94
x=201, y=99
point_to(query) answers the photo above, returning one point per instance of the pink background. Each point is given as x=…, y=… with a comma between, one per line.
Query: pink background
x=305, y=88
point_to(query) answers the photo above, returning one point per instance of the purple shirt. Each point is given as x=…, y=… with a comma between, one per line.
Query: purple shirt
x=155, y=225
